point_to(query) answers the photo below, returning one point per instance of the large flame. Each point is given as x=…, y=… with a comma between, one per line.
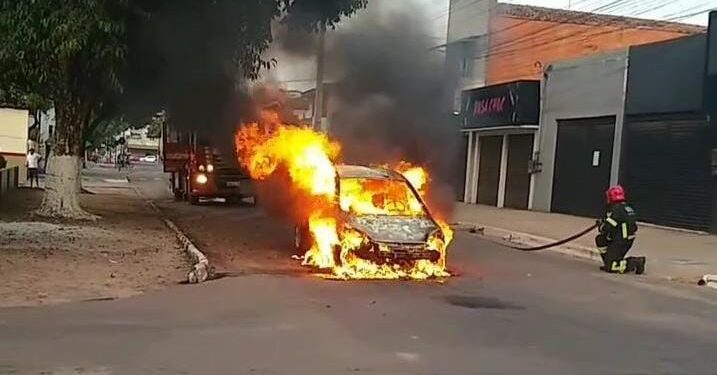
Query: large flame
x=309, y=157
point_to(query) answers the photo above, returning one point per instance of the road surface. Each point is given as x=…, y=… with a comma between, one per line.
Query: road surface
x=506, y=313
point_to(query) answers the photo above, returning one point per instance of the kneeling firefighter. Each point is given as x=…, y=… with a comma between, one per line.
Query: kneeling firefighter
x=617, y=234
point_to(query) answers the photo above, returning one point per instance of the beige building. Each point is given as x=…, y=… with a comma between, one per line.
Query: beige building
x=13, y=137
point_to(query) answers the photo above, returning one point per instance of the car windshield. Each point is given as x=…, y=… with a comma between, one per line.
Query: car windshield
x=371, y=196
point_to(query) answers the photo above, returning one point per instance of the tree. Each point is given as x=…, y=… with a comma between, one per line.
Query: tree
x=95, y=59
x=156, y=125
x=107, y=133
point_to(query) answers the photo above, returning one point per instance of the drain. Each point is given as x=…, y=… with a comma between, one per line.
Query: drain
x=475, y=302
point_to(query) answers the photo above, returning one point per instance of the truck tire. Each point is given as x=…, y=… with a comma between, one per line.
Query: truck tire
x=193, y=200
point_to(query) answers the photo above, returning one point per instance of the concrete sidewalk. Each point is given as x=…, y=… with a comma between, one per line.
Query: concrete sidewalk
x=672, y=254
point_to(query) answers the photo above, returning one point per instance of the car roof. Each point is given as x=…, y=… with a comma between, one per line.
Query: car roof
x=361, y=171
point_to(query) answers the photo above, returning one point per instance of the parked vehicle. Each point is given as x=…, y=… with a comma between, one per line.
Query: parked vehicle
x=199, y=170
x=393, y=218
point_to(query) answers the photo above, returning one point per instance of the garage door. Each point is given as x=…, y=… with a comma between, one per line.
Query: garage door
x=667, y=171
x=583, y=158
x=489, y=169
x=517, y=182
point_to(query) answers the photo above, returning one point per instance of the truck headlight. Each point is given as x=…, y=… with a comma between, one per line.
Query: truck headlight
x=210, y=168
x=201, y=178
x=201, y=168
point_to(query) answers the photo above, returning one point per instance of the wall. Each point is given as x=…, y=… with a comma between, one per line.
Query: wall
x=13, y=137
x=520, y=48
x=468, y=28
x=666, y=77
x=468, y=18
x=13, y=130
x=588, y=87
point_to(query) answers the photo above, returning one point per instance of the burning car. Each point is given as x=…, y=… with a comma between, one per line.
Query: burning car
x=381, y=218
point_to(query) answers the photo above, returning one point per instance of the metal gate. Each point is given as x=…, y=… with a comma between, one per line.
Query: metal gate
x=489, y=169
x=583, y=159
x=517, y=182
x=667, y=170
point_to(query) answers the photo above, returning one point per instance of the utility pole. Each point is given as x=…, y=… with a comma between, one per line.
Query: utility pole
x=319, y=93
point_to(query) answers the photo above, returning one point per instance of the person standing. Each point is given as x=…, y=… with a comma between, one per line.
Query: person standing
x=32, y=163
x=617, y=234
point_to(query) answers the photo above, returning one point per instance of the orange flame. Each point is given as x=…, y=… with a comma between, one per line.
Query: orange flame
x=309, y=157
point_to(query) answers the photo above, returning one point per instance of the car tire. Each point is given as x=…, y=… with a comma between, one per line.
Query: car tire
x=302, y=239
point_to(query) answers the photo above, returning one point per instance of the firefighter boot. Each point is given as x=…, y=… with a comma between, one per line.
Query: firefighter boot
x=636, y=264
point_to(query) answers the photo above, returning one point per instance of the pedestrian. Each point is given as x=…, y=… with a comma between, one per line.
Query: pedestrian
x=33, y=162
x=3, y=162
x=617, y=234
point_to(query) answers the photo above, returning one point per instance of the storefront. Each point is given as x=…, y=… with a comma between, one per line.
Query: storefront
x=498, y=125
x=668, y=145
x=643, y=117
x=580, y=127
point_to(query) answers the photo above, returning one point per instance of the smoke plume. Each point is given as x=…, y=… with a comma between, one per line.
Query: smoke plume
x=389, y=97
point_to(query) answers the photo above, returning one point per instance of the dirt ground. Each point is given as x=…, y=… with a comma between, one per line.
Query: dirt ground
x=250, y=241
x=126, y=252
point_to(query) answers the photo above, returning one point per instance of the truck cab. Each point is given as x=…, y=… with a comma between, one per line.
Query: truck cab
x=199, y=170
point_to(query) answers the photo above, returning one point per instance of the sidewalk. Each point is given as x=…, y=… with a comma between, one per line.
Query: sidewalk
x=672, y=254
x=126, y=252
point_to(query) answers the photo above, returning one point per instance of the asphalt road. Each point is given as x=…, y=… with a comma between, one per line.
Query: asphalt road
x=505, y=313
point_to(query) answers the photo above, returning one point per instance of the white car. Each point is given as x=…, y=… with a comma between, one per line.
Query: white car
x=149, y=158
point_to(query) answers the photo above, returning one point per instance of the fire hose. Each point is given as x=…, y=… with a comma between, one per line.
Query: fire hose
x=556, y=243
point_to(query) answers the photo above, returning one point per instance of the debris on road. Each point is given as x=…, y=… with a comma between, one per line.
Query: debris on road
x=709, y=281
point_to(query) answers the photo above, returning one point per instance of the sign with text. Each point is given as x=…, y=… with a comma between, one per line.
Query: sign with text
x=514, y=103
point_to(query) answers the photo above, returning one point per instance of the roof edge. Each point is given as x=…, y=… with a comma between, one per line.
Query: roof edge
x=587, y=18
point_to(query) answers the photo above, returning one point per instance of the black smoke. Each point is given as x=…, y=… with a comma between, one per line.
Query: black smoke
x=183, y=59
x=389, y=96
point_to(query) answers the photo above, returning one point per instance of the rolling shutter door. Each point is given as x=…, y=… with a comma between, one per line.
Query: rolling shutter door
x=667, y=171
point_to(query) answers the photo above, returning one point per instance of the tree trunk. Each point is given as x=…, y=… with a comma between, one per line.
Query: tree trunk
x=62, y=181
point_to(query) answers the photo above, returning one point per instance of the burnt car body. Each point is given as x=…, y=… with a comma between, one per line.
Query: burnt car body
x=388, y=237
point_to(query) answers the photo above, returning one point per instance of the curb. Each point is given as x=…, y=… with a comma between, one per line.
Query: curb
x=509, y=237
x=200, y=267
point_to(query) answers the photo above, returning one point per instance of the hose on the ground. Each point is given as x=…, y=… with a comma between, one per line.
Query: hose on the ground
x=556, y=243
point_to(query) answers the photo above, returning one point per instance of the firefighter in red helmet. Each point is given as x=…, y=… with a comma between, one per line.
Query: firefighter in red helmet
x=617, y=234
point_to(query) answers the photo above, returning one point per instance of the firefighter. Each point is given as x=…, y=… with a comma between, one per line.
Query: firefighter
x=617, y=234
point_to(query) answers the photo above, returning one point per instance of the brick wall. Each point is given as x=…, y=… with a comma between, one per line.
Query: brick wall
x=520, y=48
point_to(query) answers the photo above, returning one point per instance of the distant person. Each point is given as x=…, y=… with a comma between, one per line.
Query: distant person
x=3, y=162
x=617, y=234
x=33, y=163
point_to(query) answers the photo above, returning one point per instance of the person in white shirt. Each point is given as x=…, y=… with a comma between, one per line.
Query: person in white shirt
x=33, y=162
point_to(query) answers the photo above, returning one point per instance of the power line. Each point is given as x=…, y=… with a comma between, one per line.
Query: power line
x=498, y=50
x=544, y=43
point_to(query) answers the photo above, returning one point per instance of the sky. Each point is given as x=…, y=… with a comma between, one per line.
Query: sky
x=295, y=75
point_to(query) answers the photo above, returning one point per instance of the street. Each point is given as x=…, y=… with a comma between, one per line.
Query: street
x=505, y=312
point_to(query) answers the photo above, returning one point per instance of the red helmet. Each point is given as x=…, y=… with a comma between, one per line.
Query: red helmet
x=615, y=194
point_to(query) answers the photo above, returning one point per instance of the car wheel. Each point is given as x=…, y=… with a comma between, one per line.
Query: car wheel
x=302, y=239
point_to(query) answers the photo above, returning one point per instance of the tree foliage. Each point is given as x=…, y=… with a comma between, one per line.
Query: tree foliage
x=99, y=60
x=156, y=125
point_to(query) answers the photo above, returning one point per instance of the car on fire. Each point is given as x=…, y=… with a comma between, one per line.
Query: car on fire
x=382, y=207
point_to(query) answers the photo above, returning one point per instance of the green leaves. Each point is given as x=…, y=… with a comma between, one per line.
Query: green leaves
x=99, y=54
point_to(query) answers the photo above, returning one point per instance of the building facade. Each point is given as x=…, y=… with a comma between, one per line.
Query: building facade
x=667, y=139
x=581, y=119
x=13, y=137
x=499, y=122
x=490, y=44
x=642, y=117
